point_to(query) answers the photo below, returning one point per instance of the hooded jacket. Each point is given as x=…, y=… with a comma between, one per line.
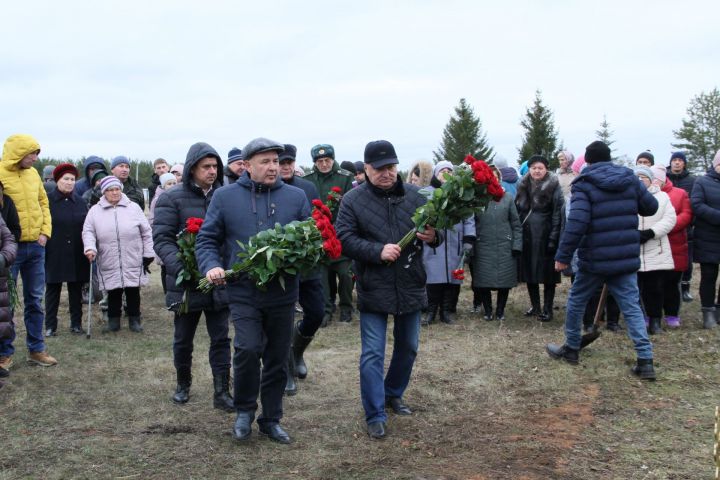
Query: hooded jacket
x=25, y=187
x=238, y=212
x=172, y=210
x=426, y=172
x=85, y=183
x=678, y=236
x=603, y=221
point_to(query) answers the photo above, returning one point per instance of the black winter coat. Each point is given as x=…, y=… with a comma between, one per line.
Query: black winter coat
x=539, y=205
x=705, y=201
x=8, y=250
x=172, y=210
x=369, y=218
x=10, y=215
x=64, y=257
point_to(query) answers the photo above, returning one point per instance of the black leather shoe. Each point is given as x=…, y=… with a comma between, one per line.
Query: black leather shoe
x=532, y=312
x=275, y=433
x=563, y=352
x=243, y=426
x=77, y=330
x=398, y=406
x=643, y=369
x=345, y=316
x=376, y=430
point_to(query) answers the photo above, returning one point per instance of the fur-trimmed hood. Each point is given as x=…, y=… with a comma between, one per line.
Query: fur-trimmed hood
x=426, y=172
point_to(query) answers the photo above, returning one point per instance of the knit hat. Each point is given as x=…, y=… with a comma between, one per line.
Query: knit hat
x=659, y=172
x=680, y=155
x=321, y=151
x=48, y=171
x=289, y=154
x=118, y=160
x=578, y=164
x=536, y=159
x=646, y=154
x=234, y=155
x=62, y=169
x=100, y=174
x=442, y=165
x=597, y=151
x=643, y=170
x=349, y=166
x=716, y=160
x=165, y=177
x=108, y=182
x=499, y=161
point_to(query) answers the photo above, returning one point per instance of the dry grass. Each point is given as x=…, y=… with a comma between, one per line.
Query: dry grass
x=489, y=404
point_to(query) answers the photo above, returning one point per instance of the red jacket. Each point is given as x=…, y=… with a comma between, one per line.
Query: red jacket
x=678, y=235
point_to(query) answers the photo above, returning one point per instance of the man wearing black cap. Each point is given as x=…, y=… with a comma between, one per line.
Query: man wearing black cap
x=325, y=175
x=680, y=177
x=235, y=166
x=359, y=172
x=262, y=319
x=373, y=218
x=645, y=158
x=311, y=295
x=603, y=227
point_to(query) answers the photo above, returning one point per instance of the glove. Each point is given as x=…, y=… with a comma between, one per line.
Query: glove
x=516, y=253
x=147, y=261
x=646, y=235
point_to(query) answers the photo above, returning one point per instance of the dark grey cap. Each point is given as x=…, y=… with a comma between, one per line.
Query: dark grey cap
x=260, y=145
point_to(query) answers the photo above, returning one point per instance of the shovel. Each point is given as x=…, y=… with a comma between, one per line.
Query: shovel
x=90, y=300
x=594, y=334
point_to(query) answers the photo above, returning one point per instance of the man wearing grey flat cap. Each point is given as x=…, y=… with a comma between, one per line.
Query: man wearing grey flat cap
x=262, y=319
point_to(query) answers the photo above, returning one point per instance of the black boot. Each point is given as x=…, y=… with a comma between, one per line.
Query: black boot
x=709, y=317
x=222, y=399
x=430, y=315
x=548, y=300
x=184, y=380
x=643, y=368
x=242, y=430
x=113, y=325
x=446, y=314
x=563, y=352
x=135, y=322
x=654, y=326
x=435, y=301
x=291, y=387
x=299, y=344
x=502, y=297
x=685, y=288
x=534, y=294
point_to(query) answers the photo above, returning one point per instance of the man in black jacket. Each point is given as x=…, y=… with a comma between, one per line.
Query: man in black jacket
x=680, y=177
x=373, y=218
x=191, y=199
x=160, y=166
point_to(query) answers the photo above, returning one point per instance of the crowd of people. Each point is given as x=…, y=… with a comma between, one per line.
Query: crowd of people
x=636, y=231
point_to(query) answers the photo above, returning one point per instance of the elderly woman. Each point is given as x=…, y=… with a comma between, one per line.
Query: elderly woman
x=656, y=261
x=565, y=173
x=705, y=201
x=539, y=202
x=442, y=288
x=118, y=235
x=64, y=258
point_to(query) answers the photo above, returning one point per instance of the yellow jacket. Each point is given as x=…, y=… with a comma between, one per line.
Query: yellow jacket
x=25, y=188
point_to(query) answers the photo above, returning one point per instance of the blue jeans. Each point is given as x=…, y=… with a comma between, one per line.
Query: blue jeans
x=30, y=264
x=373, y=390
x=625, y=291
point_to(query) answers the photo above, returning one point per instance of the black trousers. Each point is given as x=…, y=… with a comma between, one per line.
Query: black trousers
x=671, y=292
x=132, y=297
x=262, y=334
x=312, y=301
x=687, y=274
x=708, y=280
x=217, y=324
x=651, y=292
x=52, y=303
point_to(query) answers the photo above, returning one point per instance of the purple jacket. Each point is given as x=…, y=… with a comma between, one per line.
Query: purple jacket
x=121, y=236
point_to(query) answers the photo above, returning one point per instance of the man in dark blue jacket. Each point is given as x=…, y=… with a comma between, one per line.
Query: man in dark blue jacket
x=262, y=318
x=603, y=227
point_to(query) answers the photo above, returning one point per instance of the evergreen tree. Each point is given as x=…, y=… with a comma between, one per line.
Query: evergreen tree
x=605, y=134
x=540, y=137
x=463, y=135
x=700, y=134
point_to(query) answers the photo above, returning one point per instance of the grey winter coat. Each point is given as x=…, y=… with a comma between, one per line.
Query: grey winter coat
x=498, y=235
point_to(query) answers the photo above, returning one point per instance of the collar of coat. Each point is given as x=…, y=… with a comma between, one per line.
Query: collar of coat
x=536, y=195
x=397, y=190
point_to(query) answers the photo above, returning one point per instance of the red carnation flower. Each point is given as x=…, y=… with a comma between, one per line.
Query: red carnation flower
x=336, y=190
x=458, y=274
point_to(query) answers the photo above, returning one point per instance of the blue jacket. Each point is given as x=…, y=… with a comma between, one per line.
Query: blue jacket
x=83, y=185
x=238, y=212
x=602, y=224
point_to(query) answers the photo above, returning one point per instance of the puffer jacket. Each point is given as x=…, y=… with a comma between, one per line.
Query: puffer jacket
x=498, y=235
x=679, y=236
x=8, y=250
x=25, y=187
x=603, y=221
x=172, y=209
x=655, y=254
x=121, y=236
x=705, y=201
x=370, y=218
x=238, y=212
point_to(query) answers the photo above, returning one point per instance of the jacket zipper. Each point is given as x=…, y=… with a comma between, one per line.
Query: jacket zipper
x=117, y=237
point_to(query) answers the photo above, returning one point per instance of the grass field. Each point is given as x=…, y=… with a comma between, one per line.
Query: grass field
x=489, y=404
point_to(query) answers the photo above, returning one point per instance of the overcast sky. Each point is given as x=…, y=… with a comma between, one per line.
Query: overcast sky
x=148, y=79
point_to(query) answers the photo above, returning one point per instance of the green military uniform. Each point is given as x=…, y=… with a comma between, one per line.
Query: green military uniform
x=336, y=177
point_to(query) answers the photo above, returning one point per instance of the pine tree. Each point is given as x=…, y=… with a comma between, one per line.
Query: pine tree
x=463, y=135
x=605, y=134
x=540, y=137
x=700, y=133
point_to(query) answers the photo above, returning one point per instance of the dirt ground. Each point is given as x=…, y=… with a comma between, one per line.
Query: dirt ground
x=489, y=404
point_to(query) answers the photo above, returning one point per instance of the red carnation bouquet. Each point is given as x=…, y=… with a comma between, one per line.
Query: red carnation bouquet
x=186, y=253
x=290, y=249
x=467, y=191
